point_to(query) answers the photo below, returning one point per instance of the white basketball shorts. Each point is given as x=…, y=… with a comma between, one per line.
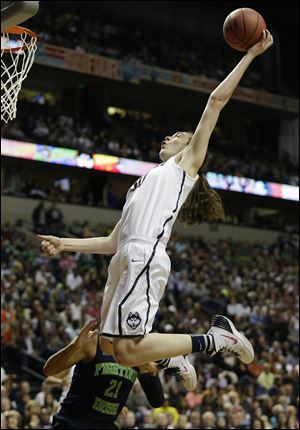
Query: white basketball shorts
x=137, y=277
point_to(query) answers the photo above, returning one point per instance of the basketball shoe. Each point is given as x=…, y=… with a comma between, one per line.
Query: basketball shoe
x=227, y=338
x=182, y=368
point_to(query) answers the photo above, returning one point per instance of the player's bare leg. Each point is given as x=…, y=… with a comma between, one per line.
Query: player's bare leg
x=181, y=365
x=153, y=347
x=222, y=336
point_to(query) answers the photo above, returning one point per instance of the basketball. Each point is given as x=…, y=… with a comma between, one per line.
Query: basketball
x=243, y=28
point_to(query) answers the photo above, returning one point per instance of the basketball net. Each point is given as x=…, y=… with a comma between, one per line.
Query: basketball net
x=18, y=46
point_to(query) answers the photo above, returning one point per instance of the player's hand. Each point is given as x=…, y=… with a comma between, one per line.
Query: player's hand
x=51, y=245
x=265, y=42
x=86, y=334
x=148, y=368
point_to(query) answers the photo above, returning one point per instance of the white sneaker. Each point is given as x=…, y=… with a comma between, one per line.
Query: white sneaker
x=227, y=338
x=185, y=371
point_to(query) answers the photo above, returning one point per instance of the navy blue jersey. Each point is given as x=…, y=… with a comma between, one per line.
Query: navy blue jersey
x=98, y=392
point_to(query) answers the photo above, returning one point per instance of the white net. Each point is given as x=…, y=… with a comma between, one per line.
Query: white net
x=17, y=55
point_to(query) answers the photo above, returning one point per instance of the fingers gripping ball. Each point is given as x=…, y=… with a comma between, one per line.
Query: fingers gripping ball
x=243, y=28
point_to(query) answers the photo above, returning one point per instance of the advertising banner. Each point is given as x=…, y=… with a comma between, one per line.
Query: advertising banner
x=125, y=166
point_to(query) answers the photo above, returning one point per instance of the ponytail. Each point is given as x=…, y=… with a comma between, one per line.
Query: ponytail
x=202, y=205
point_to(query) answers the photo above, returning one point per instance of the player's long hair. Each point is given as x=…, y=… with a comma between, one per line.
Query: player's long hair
x=203, y=203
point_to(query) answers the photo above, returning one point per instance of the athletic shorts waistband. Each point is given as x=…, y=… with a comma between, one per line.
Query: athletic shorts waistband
x=140, y=239
x=128, y=336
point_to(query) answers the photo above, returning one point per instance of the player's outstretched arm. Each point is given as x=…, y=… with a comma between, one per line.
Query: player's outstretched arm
x=194, y=155
x=53, y=245
x=79, y=349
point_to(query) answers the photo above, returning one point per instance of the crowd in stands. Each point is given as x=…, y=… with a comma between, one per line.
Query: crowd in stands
x=67, y=25
x=68, y=191
x=140, y=138
x=45, y=302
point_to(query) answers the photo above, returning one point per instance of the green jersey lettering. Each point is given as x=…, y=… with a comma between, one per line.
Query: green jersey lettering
x=98, y=369
x=113, y=389
x=105, y=407
x=115, y=369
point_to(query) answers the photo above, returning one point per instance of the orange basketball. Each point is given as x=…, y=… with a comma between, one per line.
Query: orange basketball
x=243, y=28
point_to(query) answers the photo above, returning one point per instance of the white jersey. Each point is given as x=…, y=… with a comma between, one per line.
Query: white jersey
x=153, y=203
x=139, y=271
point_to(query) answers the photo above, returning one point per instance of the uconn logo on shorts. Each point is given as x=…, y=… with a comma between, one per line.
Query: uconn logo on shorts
x=133, y=320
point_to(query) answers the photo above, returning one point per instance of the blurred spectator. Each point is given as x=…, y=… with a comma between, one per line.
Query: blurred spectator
x=12, y=419
x=280, y=220
x=266, y=379
x=137, y=137
x=195, y=420
x=222, y=423
x=182, y=422
x=37, y=316
x=41, y=396
x=166, y=408
x=194, y=54
x=39, y=218
x=194, y=398
x=110, y=198
x=3, y=375
x=208, y=420
x=129, y=421
x=73, y=279
x=162, y=420
x=54, y=218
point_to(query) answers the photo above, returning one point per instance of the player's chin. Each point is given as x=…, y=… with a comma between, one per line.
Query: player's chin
x=163, y=155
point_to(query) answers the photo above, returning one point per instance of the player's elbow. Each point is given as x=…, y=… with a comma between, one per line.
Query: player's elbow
x=114, y=248
x=47, y=370
x=112, y=245
x=156, y=402
x=50, y=369
x=217, y=102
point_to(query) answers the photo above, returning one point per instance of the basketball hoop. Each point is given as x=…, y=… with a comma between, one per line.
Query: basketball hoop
x=18, y=46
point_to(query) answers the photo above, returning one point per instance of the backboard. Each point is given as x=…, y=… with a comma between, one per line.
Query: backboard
x=15, y=12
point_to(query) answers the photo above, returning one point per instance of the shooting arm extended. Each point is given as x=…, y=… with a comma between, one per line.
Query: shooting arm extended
x=193, y=156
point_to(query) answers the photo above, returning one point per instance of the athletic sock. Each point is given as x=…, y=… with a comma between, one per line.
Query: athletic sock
x=202, y=342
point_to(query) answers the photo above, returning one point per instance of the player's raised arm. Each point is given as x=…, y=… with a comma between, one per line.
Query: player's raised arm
x=79, y=349
x=53, y=245
x=194, y=155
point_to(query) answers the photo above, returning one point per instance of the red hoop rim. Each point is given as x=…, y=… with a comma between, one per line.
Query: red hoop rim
x=18, y=30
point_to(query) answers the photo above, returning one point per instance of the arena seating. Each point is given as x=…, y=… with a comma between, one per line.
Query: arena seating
x=45, y=302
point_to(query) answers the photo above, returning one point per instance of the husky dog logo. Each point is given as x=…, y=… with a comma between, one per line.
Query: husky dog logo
x=133, y=320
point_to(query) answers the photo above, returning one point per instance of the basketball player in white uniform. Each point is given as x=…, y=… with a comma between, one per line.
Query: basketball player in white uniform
x=139, y=270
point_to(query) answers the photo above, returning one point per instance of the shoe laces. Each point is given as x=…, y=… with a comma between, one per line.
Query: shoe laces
x=228, y=349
